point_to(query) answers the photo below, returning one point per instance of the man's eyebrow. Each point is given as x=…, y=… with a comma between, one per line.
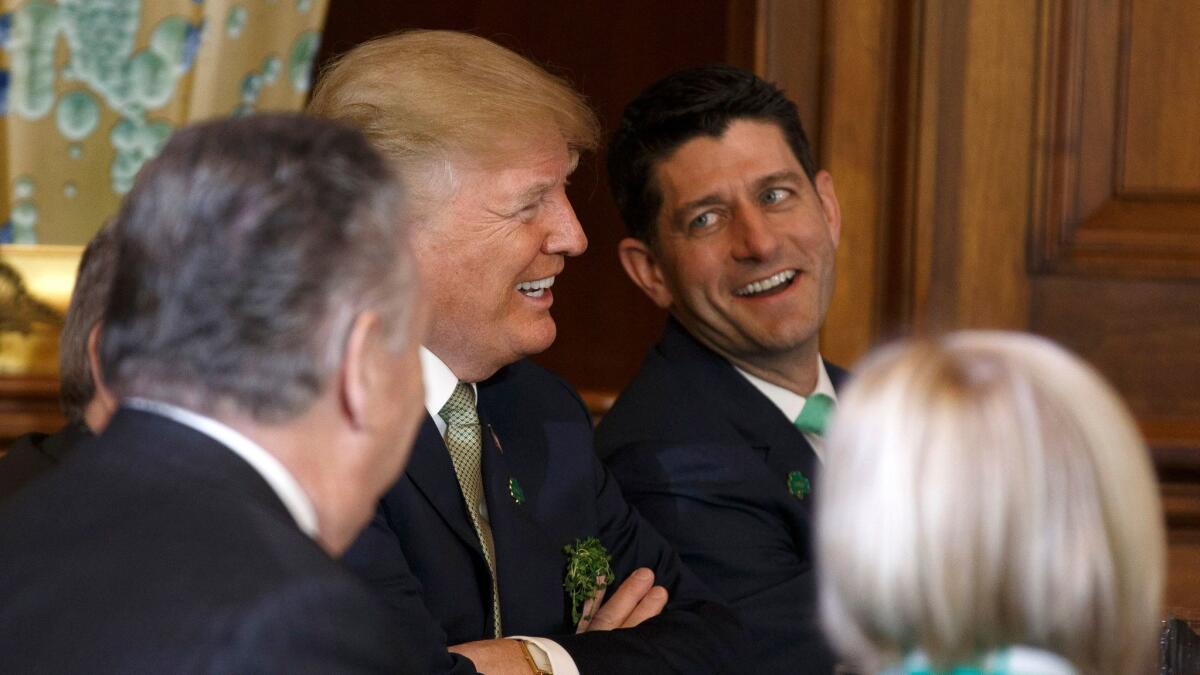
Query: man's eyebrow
x=535, y=192
x=785, y=176
x=714, y=199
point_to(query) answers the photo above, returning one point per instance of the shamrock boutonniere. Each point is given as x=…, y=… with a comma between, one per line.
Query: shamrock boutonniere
x=588, y=572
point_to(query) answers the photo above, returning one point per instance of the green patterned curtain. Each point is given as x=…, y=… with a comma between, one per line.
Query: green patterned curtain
x=90, y=90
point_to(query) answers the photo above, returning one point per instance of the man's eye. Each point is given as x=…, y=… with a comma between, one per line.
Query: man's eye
x=775, y=195
x=529, y=211
x=703, y=220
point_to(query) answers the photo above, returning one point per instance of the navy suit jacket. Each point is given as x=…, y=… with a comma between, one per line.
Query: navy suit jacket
x=424, y=557
x=32, y=455
x=155, y=549
x=704, y=456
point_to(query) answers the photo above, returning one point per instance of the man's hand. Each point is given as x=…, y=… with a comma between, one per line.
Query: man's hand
x=495, y=657
x=635, y=601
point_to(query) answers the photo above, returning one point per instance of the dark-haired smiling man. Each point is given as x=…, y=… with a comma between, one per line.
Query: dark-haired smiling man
x=717, y=440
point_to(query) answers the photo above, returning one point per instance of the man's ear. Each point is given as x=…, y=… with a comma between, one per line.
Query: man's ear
x=103, y=404
x=357, y=376
x=829, y=205
x=643, y=269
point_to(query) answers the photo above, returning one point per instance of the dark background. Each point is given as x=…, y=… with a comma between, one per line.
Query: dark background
x=610, y=51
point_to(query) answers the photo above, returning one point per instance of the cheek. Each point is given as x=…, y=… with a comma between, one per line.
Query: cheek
x=816, y=239
x=701, y=268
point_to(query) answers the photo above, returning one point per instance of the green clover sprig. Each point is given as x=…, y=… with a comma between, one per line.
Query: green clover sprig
x=589, y=569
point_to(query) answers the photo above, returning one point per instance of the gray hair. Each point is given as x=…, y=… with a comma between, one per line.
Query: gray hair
x=247, y=248
x=985, y=490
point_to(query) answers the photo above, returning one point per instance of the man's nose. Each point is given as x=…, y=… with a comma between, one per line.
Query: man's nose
x=566, y=234
x=754, y=238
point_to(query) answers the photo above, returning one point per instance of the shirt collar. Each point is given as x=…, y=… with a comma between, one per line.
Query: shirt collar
x=440, y=382
x=789, y=402
x=271, y=469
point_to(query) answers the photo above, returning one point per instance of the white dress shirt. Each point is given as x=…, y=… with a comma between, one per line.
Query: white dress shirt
x=440, y=382
x=272, y=470
x=790, y=403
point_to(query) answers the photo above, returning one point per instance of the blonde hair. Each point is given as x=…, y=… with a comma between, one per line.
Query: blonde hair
x=424, y=98
x=985, y=490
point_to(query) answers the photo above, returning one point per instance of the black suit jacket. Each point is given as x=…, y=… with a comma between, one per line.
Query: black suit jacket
x=155, y=549
x=424, y=557
x=705, y=457
x=34, y=454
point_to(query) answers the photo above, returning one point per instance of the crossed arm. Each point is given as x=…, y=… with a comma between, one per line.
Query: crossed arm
x=636, y=600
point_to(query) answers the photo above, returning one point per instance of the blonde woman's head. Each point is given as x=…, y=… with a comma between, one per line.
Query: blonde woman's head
x=984, y=490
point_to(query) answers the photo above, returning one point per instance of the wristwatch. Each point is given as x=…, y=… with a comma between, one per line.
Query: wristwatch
x=538, y=660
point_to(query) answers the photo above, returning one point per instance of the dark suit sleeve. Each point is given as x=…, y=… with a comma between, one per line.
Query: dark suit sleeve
x=727, y=531
x=694, y=634
x=378, y=559
x=319, y=625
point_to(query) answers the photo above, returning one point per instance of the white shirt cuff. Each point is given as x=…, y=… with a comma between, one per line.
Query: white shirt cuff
x=561, y=662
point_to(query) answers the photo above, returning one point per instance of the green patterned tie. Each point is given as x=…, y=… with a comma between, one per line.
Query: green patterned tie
x=464, y=440
x=815, y=415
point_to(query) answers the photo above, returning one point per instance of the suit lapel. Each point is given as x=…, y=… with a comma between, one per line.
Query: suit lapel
x=523, y=548
x=432, y=472
x=757, y=419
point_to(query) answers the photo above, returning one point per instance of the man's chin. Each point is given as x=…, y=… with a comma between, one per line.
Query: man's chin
x=751, y=339
x=535, y=338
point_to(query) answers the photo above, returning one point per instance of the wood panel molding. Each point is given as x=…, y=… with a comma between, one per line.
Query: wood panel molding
x=1096, y=124
x=965, y=201
x=859, y=95
x=790, y=51
x=28, y=404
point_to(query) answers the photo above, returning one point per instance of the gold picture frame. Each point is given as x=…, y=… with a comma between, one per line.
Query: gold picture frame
x=33, y=306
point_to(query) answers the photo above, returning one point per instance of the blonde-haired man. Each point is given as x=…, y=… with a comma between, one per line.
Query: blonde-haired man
x=503, y=476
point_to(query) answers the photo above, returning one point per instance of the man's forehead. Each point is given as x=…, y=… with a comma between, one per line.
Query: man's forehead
x=740, y=157
x=523, y=174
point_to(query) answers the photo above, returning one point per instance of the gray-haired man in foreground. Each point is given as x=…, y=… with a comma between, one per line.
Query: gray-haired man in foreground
x=262, y=337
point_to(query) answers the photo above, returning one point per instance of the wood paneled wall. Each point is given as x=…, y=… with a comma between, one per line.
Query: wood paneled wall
x=1024, y=165
x=1030, y=165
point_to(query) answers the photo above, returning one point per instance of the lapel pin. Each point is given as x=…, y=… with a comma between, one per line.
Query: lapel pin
x=496, y=439
x=798, y=485
x=515, y=491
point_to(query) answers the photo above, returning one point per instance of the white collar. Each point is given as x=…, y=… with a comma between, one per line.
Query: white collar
x=789, y=402
x=271, y=469
x=440, y=382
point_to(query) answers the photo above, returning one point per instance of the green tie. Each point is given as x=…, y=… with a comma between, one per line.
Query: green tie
x=465, y=443
x=815, y=415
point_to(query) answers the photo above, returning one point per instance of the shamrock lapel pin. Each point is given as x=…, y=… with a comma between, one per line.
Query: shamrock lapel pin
x=515, y=491
x=798, y=485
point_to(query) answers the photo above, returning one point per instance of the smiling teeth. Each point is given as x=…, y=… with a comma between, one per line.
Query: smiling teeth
x=535, y=289
x=773, y=281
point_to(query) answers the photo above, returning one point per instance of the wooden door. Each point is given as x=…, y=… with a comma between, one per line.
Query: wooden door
x=1029, y=165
